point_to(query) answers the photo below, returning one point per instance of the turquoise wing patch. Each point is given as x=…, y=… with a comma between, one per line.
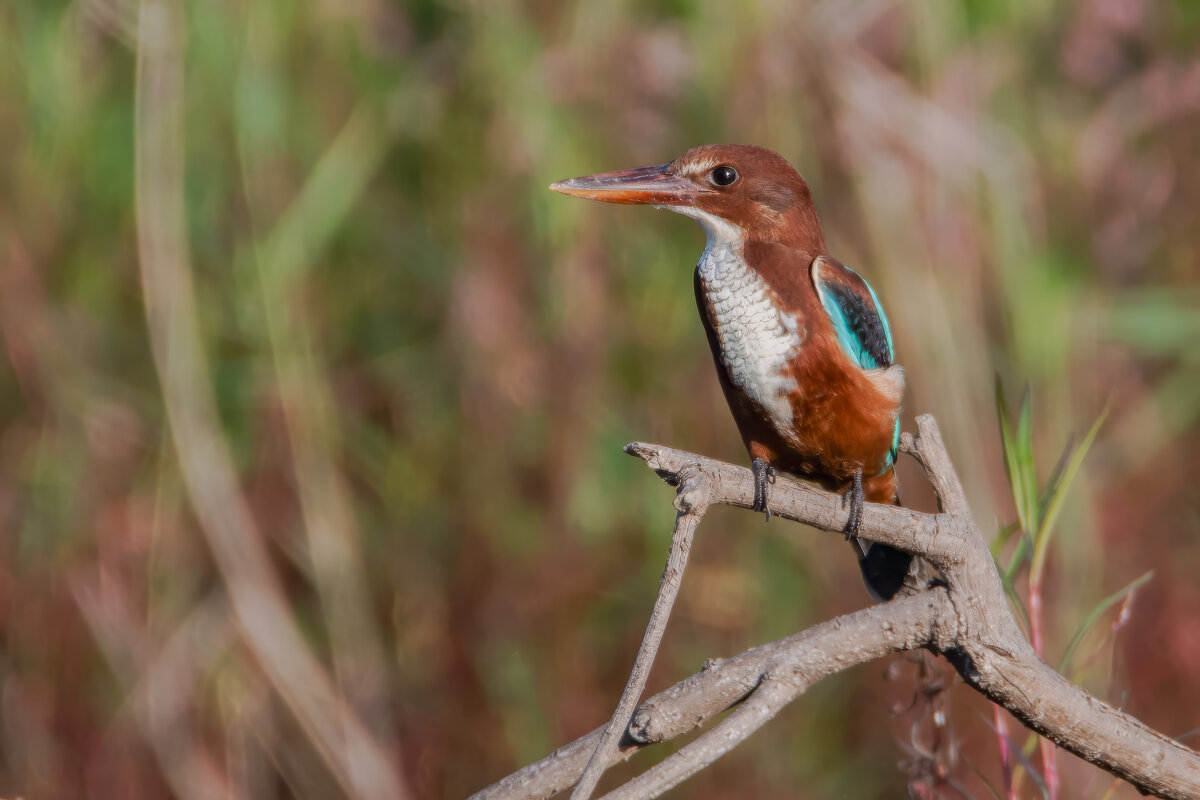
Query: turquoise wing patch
x=858, y=320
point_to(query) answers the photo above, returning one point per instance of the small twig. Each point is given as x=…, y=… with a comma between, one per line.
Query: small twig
x=691, y=505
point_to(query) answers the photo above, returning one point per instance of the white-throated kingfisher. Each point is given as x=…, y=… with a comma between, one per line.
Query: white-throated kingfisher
x=801, y=343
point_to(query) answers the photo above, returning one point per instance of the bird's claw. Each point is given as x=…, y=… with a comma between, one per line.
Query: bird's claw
x=854, y=496
x=764, y=476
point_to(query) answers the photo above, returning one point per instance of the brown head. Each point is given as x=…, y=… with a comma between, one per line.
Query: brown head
x=732, y=189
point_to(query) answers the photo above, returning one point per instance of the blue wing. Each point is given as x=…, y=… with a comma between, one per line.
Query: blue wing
x=858, y=320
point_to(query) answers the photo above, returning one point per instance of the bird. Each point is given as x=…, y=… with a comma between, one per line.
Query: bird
x=802, y=346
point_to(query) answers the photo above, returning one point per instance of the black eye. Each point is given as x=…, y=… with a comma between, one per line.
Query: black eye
x=724, y=176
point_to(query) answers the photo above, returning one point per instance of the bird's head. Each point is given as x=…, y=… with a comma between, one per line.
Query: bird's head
x=735, y=191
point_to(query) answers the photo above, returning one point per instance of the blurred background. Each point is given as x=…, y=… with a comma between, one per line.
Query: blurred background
x=422, y=365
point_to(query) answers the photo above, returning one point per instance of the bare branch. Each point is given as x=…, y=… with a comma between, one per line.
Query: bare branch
x=933, y=536
x=668, y=589
x=967, y=620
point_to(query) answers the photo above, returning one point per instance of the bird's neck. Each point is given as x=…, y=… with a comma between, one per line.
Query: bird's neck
x=723, y=253
x=801, y=230
x=741, y=261
x=798, y=229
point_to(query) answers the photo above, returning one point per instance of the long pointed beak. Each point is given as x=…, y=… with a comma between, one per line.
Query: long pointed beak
x=640, y=186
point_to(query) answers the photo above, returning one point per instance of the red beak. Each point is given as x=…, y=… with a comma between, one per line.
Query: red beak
x=650, y=186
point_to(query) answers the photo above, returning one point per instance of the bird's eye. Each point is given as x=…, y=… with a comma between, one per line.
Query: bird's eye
x=724, y=176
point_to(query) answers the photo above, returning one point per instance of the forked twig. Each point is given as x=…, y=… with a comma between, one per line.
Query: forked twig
x=967, y=620
x=691, y=506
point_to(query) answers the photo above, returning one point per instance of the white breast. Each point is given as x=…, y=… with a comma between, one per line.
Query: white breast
x=757, y=340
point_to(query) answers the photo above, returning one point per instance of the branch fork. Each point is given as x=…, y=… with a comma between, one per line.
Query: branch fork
x=967, y=620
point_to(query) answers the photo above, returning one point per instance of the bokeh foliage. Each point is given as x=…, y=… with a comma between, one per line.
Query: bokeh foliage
x=392, y=301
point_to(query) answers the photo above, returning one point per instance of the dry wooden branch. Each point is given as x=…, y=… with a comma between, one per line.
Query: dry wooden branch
x=968, y=621
x=691, y=509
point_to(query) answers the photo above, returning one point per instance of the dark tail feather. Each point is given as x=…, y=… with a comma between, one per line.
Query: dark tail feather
x=885, y=570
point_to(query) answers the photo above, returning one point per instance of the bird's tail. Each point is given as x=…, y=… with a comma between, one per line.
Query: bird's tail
x=885, y=569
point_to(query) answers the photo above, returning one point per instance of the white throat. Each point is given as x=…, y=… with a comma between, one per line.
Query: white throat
x=756, y=338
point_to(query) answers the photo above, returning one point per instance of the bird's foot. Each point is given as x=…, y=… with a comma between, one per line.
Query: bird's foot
x=764, y=476
x=854, y=496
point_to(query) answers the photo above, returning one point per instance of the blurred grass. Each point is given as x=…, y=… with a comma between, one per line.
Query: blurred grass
x=418, y=350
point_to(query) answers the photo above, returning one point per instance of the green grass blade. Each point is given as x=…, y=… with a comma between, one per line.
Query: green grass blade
x=1026, y=470
x=1015, y=597
x=1055, y=499
x=1012, y=467
x=1019, y=557
x=1101, y=607
x=1056, y=476
x=1003, y=537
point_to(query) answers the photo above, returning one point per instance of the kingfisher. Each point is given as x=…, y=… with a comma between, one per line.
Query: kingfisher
x=801, y=343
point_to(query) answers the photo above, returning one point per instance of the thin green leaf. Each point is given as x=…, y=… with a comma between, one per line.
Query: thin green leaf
x=1056, y=476
x=1011, y=457
x=1097, y=612
x=1055, y=500
x=1003, y=537
x=1026, y=469
x=1019, y=557
x=1015, y=598
x=1005, y=429
x=1042, y=542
